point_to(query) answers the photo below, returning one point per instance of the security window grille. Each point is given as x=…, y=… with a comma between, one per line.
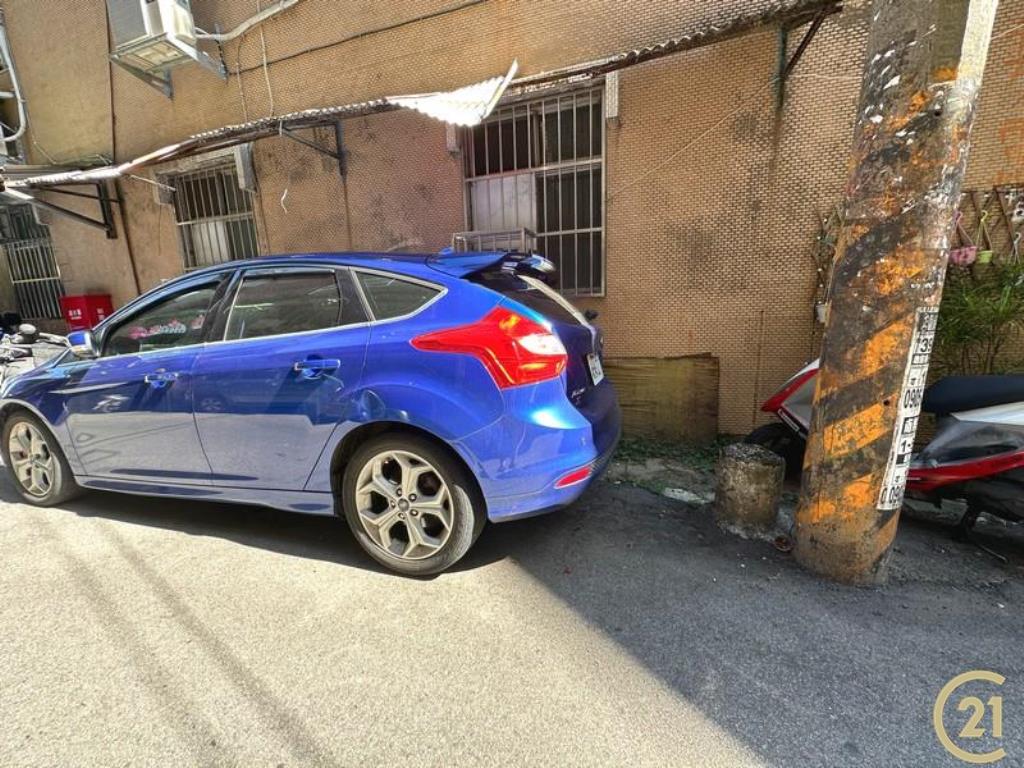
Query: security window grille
x=30, y=261
x=214, y=217
x=539, y=165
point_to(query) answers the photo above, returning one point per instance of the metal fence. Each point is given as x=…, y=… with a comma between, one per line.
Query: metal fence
x=522, y=240
x=539, y=165
x=30, y=261
x=214, y=217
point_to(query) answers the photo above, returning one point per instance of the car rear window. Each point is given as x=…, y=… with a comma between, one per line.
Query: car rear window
x=531, y=292
x=393, y=297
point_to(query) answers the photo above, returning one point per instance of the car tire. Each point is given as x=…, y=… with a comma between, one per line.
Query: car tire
x=446, y=524
x=782, y=441
x=36, y=464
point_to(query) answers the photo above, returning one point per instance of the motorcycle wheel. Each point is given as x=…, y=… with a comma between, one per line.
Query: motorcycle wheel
x=782, y=441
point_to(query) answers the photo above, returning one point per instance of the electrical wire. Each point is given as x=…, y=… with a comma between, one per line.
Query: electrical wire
x=744, y=104
x=241, y=86
x=266, y=65
x=1006, y=32
x=366, y=33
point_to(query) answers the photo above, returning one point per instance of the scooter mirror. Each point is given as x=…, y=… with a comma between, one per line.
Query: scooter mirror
x=27, y=334
x=83, y=344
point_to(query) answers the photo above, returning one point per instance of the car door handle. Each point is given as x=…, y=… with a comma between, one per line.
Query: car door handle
x=160, y=379
x=313, y=367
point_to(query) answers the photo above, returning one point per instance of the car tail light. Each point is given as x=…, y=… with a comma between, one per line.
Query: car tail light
x=576, y=476
x=514, y=349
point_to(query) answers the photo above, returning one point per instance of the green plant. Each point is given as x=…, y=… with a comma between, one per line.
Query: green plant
x=824, y=251
x=981, y=315
x=702, y=456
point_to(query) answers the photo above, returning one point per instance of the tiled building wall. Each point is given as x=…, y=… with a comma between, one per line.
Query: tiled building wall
x=713, y=195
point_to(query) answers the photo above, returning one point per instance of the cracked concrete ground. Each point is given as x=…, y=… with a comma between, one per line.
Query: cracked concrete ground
x=626, y=630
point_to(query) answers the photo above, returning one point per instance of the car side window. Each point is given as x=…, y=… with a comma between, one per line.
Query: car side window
x=174, y=322
x=291, y=302
x=392, y=296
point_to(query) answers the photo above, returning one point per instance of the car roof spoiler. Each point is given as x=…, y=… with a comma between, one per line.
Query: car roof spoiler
x=464, y=264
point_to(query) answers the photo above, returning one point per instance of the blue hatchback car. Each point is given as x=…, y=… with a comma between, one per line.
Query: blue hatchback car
x=419, y=396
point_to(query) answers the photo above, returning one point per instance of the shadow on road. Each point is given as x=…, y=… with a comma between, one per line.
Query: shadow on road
x=794, y=667
x=297, y=535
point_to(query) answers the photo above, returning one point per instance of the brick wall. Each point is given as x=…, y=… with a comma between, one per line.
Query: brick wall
x=713, y=196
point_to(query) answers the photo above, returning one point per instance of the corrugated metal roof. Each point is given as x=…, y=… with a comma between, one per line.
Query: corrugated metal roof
x=789, y=13
x=464, y=106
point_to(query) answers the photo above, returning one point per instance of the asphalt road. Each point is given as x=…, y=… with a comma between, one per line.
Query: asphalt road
x=626, y=630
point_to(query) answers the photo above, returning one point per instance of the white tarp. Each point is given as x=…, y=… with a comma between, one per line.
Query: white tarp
x=463, y=106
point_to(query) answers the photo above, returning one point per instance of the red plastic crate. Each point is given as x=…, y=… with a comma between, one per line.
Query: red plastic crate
x=86, y=310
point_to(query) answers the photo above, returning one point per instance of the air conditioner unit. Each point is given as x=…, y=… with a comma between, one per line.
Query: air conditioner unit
x=151, y=37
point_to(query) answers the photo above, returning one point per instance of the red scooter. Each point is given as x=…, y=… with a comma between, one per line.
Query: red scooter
x=976, y=455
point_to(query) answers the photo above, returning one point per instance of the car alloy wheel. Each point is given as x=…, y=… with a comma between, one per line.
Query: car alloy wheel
x=404, y=505
x=33, y=462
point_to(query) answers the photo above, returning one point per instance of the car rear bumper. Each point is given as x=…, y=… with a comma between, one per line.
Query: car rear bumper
x=542, y=438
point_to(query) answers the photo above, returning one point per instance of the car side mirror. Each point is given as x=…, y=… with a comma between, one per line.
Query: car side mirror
x=590, y=315
x=83, y=344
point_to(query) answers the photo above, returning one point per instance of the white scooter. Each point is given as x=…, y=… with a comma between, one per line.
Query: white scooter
x=976, y=455
x=27, y=349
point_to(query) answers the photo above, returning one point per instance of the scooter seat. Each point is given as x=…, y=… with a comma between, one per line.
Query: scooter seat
x=966, y=393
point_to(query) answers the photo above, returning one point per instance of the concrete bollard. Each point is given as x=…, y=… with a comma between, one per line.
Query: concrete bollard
x=749, y=487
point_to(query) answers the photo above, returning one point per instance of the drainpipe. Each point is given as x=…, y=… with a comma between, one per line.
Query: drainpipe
x=8, y=60
x=248, y=24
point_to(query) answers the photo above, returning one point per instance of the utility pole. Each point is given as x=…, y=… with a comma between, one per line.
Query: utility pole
x=921, y=79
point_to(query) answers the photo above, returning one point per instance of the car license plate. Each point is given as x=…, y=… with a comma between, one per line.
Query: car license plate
x=596, y=370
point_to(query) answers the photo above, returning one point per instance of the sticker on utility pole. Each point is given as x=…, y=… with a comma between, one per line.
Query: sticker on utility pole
x=909, y=409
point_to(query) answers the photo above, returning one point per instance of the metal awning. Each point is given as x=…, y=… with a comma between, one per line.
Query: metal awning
x=464, y=106
x=789, y=14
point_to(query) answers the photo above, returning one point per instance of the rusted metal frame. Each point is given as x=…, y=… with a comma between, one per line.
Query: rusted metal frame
x=916, y=107
x=288, y=134
x=791, y=13
x=562, y=168
x=229, y=136
x=106, y=210
x=786, y=67
x=206, y=196
x=781, y=67
x=239, y=134
x=338, y=155
x=794, y=13
x=105, y=225
x=34, y=273
x=162, y=84
x=339, y=148
x=59, y=191
x=103, y=198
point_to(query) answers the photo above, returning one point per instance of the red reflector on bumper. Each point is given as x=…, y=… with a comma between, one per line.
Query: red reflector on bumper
x=576, y=476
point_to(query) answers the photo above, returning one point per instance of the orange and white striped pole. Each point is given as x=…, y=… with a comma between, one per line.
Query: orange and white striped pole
x=924, y=67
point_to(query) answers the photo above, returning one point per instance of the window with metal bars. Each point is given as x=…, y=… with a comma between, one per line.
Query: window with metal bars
x=539, y=166
x=33, y=269
x=214, y=216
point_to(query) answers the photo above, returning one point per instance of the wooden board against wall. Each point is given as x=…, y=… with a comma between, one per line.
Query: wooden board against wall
x=669, y=398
